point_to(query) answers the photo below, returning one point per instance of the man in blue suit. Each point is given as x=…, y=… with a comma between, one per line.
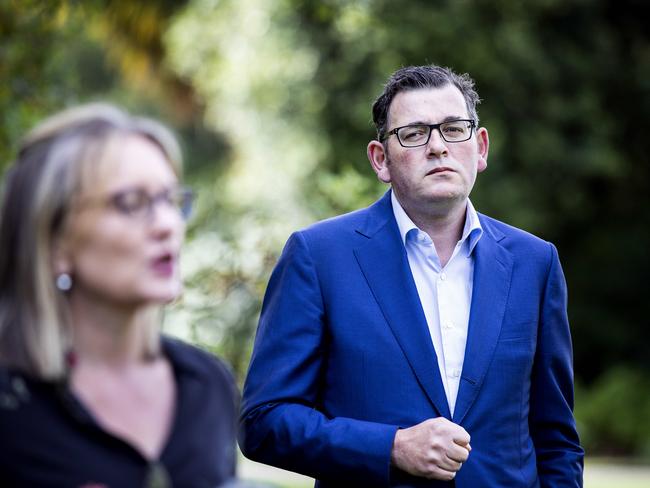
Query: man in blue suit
x=416, y=343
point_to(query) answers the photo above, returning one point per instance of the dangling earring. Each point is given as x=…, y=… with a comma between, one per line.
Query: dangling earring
x=64, y=282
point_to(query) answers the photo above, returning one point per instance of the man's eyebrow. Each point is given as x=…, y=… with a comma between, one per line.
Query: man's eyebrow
x=449, y=118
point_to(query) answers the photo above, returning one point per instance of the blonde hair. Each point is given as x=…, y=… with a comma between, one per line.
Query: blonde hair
x=54, y=161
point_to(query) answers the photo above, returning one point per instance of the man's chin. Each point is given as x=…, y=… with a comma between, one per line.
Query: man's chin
x=448, y=197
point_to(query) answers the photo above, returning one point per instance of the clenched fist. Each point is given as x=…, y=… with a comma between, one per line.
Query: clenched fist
x=435, y=448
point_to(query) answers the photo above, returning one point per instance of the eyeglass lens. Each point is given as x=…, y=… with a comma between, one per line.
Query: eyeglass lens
x=137, y=202
x=418, y=135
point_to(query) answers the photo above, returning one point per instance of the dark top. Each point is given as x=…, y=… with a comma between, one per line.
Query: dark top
x=49, y=439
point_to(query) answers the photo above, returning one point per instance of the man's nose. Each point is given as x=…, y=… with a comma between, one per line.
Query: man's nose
x=436, y=147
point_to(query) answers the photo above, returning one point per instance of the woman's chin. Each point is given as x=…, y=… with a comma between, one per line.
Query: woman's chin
x=166, y=294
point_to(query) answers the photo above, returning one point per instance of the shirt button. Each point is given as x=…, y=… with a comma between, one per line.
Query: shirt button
x=448, y=325
x=443, y=276
x=455, y=373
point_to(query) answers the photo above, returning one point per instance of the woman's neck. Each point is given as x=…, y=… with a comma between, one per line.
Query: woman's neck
x=105, y=334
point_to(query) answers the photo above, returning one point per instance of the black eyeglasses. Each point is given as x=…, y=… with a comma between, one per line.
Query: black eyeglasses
x=138, y=203
x=416, y=135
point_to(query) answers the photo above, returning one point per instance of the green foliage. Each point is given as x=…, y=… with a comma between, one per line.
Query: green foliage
x=39, y=66
x=612, y=414
x=272, y=100
x=564, y=85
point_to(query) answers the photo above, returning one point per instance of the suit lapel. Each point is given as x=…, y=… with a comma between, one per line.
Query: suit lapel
x=492, y=275
x=384, y=264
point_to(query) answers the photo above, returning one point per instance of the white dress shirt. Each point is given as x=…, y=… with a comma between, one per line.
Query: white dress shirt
x=445, y=292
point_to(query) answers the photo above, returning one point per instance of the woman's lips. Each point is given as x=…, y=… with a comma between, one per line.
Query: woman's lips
x=164, y=265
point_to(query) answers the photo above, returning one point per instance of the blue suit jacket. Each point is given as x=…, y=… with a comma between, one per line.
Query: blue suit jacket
x=343, y=358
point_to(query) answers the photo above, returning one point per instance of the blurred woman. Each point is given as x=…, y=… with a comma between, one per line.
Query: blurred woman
x=91, y=395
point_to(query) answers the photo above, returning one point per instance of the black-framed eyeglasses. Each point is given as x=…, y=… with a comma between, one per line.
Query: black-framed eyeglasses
x=138, y=203
x=415, y=135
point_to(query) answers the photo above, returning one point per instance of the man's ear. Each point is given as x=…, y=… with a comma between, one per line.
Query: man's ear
x=483, y=141
x=379, y=160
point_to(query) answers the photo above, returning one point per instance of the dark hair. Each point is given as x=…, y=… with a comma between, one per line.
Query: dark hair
x=414, y=77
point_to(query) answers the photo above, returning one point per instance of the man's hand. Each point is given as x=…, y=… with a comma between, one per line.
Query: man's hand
x=435, y=448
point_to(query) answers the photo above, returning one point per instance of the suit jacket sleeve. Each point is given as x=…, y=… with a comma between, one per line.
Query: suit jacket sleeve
x=281, y=423
x=552, y=425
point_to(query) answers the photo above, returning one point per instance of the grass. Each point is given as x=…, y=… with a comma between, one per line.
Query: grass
x=599, y=473
x=608, y=473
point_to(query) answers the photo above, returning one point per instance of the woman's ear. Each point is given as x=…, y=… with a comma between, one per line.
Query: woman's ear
x=61, y=262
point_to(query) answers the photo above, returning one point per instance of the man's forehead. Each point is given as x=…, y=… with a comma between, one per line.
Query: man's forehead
x=428, y=104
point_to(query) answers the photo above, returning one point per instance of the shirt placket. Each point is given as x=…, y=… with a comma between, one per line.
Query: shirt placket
x=449, y=334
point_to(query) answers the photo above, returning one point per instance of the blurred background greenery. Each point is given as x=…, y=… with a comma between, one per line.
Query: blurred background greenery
x=271, y=99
